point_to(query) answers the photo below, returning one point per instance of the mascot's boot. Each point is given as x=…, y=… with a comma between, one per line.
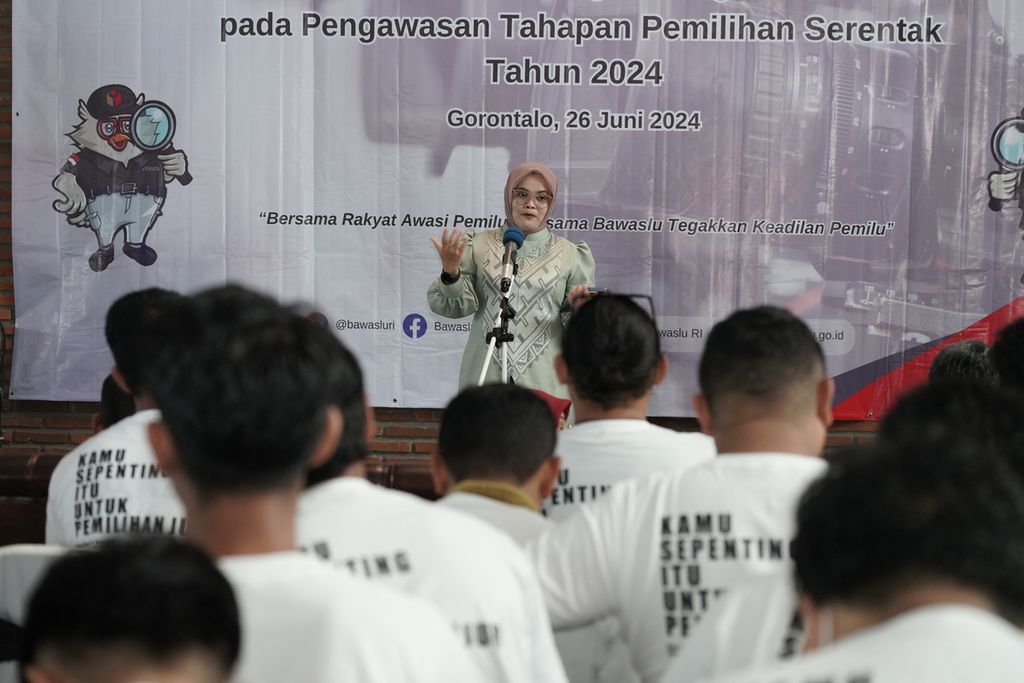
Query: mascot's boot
x=102, y=258
x=142, y=254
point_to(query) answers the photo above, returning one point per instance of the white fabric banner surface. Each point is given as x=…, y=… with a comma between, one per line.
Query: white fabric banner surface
x=761, y=153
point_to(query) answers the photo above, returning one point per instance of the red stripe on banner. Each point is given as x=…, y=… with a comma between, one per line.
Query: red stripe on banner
x=873, y=401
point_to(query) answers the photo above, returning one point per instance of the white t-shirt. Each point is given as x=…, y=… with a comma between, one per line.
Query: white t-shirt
x=755, y=623
x=110, y=485
x=657, y=552
x=591, y=654
x=478, y=577
x=303, y=622
x=937, y=644
x=522, y=524
x=600, y=453
x=21, y=568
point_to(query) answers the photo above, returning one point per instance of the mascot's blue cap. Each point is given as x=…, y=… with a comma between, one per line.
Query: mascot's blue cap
x=111, y=100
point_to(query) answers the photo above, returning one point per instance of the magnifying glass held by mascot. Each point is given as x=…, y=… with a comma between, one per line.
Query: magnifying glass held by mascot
x=116, y=181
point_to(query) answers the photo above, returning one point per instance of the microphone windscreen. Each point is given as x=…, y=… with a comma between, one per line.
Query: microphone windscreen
x=513, y=234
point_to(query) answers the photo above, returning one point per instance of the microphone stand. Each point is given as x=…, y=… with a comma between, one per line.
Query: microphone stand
x=499, y=336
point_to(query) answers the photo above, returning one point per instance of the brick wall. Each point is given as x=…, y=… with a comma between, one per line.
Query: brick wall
x=55, y=427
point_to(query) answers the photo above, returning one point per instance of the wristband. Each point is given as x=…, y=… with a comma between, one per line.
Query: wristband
x=447, y=279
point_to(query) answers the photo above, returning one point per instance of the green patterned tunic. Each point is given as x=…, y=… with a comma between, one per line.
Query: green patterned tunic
x=549, y=267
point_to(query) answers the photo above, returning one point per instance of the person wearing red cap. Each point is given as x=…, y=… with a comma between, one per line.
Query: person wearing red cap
x=559, y=407
x=552, y=272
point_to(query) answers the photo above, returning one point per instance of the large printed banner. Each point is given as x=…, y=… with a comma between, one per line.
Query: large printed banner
x=857, y=162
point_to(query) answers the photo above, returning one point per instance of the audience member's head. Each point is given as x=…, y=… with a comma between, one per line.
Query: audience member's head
x=762, y=365
x=133, y=330
x=348, y=394
x=244, y=397
x=497, y=432
x=115, y=405
x=890, y=528
x=144, y=609
x=1008, y=356
x=611, y=353
x=935, y=415
x=967, y=360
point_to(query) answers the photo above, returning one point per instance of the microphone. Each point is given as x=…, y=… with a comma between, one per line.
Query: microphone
x=513, y=239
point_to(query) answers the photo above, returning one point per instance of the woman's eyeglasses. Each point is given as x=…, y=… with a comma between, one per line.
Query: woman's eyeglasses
x=521, y=195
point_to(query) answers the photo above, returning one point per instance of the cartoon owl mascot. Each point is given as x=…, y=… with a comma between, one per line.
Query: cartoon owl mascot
x=110, y=185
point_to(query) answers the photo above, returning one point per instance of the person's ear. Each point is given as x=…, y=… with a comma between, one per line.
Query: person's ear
x=810, y=621
x=164, y=450
x=115, y=372
x=330, y=435
x=561, y=369
x=370, y=430
x=33, y=674
x=439, y=475
x=167, y=459
x=97, y=423
x=826, y=394
x=703, y=410
x=660, y=370
x=548, y=476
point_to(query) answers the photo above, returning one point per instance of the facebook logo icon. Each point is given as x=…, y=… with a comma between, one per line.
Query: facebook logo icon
x=414, y=325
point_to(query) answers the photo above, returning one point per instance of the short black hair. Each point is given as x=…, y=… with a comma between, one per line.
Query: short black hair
x=496, y=431
x=1008, y=356
x=347, y=392
x=934, y=414
x=156, y=597
x=885, y=517
x=611, y=348
x=766, y=354
x=133, y=330
x=115, y=404
x=242, y=390
x=967, y=360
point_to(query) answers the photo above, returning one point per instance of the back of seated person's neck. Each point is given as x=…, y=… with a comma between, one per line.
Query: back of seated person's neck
x=245, y=523
x=590, y=411
x=144, y=401
x=771, y=435
x=121, y=664
x=850, y=619
x=356, y=470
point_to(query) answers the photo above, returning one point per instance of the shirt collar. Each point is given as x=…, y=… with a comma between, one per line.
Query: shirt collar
x=496, y=490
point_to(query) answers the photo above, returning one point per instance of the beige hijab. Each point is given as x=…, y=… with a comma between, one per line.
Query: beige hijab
x=518, y=174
